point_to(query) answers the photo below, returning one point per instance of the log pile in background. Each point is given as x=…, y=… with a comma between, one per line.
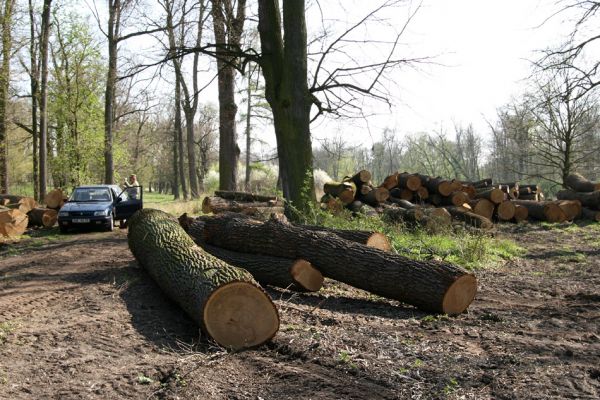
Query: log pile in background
x=17, y=213
x=431, y=286
x=258, y=206
x=585, y=192
x=410, y=198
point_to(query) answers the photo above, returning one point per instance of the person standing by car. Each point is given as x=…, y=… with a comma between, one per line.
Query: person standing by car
x=131, y=186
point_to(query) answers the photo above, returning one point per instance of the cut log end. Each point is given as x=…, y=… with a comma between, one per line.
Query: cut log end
x=307, y=276
x=240, y=315
x=379, y=241
x=460, y=295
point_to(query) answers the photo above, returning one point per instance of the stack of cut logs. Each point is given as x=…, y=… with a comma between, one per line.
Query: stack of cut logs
x=255, y=205
x=585, y=192
x=19, y=212
x=434, y=202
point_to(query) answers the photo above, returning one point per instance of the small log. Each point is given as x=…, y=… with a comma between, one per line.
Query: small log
x=331, y=204
x=592, y=215
x=358, y=207
x=496, y=196
x=373, y=239
x=483, y=207
x=13, y=223
x=45, y=217
x=404, y=194
x=456, y=185
x=360, y=178
x=376, y=196
x=391, y=181
x=505, y=211
x=23, y=203
x=543, y=210
x=54, y=199
x=571, y=208
x=436, y=219
x=469, y=190
x=429, y=285
x=436, y=199
x=345, y=191
x=365, y=189
x=470, y=218
x=408, y=181
x=521, y=213
x=482, y=183
x=457, y=198
x=245, y=196
x=579, y=183
x=440, y=186
x=403, y=203
x=422, y=193
x=215, y=205
x=399, y=214
x=587, y=199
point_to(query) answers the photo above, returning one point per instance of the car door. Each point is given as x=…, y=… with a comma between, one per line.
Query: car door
x=128, y=202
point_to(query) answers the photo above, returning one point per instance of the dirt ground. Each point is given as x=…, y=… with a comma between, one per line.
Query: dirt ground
x=79, y=319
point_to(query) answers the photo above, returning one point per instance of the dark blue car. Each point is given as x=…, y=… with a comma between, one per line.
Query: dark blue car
x=99, y=206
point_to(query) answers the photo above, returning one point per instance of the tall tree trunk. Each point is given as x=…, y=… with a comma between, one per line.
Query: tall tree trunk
x=175, y=176
x=34, y=78
x=285, y=72
x=4, y=85
x=248, y=131
x=114, y=10
x=228, y=30
x=45, y=35
x=189, y=128
x=179, y=130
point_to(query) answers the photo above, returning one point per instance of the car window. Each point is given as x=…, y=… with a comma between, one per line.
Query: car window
x=91, y=194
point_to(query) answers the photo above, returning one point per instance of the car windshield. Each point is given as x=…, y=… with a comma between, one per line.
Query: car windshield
x=91, y=194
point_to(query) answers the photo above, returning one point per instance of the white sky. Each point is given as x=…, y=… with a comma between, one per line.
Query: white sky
x=484, y=46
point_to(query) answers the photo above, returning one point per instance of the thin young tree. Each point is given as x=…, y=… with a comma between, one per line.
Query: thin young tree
x=6, y=25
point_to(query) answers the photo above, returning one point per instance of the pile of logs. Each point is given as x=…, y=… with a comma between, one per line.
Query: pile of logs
x=585, y=192
x=17, y=213
x=433, y=202
x=293, y=256
x=255, y=205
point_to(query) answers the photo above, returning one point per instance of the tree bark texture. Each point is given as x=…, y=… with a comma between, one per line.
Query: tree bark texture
x=431, y=286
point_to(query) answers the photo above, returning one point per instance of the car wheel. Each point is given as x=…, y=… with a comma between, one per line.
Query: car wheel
x=63, y=229
x=110, y=224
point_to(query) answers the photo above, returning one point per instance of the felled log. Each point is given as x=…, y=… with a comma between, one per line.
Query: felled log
x=22, y=203
x=54, y=199
x=579, y=183
x=543, y=211
x=45, y=217
x=422, y=193
x=521, y=213
x=411, y=216
x=587, y=199
x=391, y=181
x=456, y=198
x=332, y=204
x=469, y=190
x=13, y=223
x=365, y=188
x=409, y=181
x=263, y=213
x=360, y=178
x=245, y=196
x=529, y=196
x=483, y=207
x=224, y=300
x=345, y=191
x=505, y=211
x=592, y=215
x=375, y=196
x=404, y=194
x=469, y=217
x=439, y=186
x=432, y=286
x=359, y=207
x=482, y=183
x=571, y=208
x=215, y=205
x=494, y=195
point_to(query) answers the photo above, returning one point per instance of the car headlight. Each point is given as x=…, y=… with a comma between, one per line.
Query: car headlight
x=100, y=213
x=63, y=213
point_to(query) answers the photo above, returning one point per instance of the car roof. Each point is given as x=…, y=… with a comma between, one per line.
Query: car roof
x=96, y=186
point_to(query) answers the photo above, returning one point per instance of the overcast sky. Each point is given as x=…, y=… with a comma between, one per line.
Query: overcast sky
x=485, y=48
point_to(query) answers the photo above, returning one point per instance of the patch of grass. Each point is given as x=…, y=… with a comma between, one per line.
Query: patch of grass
x=435, y=318
x=569, y=255
x=166, y=203
x=468, y=249
x=346, y=358
x=450, y=387
x=144, y=380
x=6, y=328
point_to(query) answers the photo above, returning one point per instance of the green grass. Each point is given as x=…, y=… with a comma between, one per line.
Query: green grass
x=6, y=328
x=166, y=203
x=468, y=249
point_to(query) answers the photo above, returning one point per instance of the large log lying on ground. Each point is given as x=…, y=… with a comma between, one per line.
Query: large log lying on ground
x=373, y=239
x=590, y=199
x=579, y=183
x=275, y=271
x=505, y=211
x=571, y=208
x=483, y=207
x=45, y=217
x=224, y=300
x=470, y=218
x=54, y=198
x=215, y=205
x=431, y=286
x=496, y=196
x=521, y=213
x=244, y=196
x=13, y=222
x=409, y=181
x=543, y=211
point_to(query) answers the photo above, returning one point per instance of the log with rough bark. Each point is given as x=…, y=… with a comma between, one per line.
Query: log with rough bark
x=543, y=210
x=54, y=198
x=245, y=196
x=263, y=213
x=483, y=207
x=457, y=198
x=359, y=207
x=377, y=240
x=45, y=217
x=469, y=217
x=592, y=215
x=22, y=203
x=375, y=196
x=521, y=213
x=431, y=286
x=404, y=194
x=505, y=211
x=422, y=193
x=13, y=222
x=469, y=190
x=409, y=181
x=224, y=300
x=345, y=191
x=439, y=186
x=571, y=208
x=589, y=199
x=410, y=216
x=580, y=183
x=482, y=183
x=391, y=181
x=215, y=205
x=404, y=203
x=360, y=178
x=365, y=189
x=495, y=195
